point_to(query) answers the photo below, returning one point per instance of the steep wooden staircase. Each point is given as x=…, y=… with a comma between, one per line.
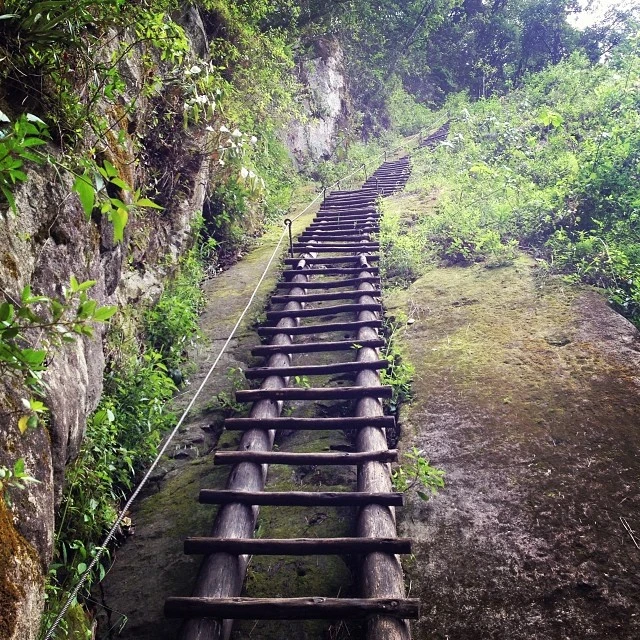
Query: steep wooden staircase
x=335, y=274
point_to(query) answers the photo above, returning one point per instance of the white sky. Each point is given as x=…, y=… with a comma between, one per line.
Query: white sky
x=598, y=9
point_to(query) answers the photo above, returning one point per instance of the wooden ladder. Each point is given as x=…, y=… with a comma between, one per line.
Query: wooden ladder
x=338, y=248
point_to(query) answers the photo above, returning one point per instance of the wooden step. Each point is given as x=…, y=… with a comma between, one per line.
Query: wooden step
x=335, y=248
x=316, y=347
x=311, y=329
x=301, y=498
x=333, y=284
x=310, y=424
x=296, y=546
x=314, y=393
x=330, y=259
x=325, y=311
x=315, y=369
x=331, y=458
x=334, y=236
x=338, y=226
x=330, y=271
x=320, y=297
x=314, y=608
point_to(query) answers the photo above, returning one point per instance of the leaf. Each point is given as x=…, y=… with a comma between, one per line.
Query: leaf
x=32, y=118
x=120, y=183
x=73, y=282
x=145, y=202
x=110, y=170
x=104, y=313
x=119, y=218
x=18, y=468
x=6, y=312
x=424, y=496
x=32, y=422
x=22, y=424
x=87, y=284
x=82, y=567
x=33, y=357
x=86, y=192
x=10, y=199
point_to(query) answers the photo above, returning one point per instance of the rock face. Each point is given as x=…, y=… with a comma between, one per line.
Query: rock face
x=326, y=104
x=47, y=242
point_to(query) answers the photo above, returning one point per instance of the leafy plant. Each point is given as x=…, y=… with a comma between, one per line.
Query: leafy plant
x=16, y=477
x=417, y=471
x=400, y=372
x=92, y=188
x=54, y=322
x=16, y=147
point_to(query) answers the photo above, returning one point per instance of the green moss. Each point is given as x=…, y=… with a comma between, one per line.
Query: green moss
x=17, y=559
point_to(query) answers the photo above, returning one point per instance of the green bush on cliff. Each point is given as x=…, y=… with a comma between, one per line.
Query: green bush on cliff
x=550, y=167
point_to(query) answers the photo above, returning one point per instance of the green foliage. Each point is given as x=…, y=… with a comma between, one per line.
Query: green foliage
x=553, y=166
x=16, y=477
x=16, y=147
x=93, y=190
x=172, y=324
x=399, y=374
x=49, y=322
x=123, y=434
x=417, y=471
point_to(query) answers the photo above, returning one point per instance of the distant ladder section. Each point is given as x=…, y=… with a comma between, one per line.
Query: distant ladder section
x=335, y=271
x=437, y=137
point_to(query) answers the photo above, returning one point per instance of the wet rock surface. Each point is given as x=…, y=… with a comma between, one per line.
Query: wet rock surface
x=529, y=400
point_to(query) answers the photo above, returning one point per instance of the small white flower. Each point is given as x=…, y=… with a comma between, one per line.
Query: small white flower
x=224, y=129
x=237, y=133
x=209, y=128
x=202, y=99
x=254, y=139
x=244, y=173
x=3, y=117
x=252, y=175
x=194, y=70
x=32, y=118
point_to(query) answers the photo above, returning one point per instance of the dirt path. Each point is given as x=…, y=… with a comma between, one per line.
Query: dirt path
x=527, y=394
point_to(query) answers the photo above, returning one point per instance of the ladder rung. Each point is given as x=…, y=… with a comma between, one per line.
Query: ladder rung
x=310, y=424
x=324, y=248
x=331, y=284
x=314, y=393
x=291, y=608
x=301, y=498
x=330, y=259
x=316, y=347
x=324, y=311
x=310, y=329
x=321, y=297
x=296, y=546
x=330, y=271
x=315, y=369
x=330, y=458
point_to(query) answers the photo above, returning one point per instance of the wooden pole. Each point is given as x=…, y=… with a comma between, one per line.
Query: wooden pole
x=381, y=573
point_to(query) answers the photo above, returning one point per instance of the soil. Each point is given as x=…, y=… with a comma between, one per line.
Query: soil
x=527, y=396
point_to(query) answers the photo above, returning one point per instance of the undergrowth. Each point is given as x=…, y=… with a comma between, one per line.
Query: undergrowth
x=123, y=434
x=550, y=168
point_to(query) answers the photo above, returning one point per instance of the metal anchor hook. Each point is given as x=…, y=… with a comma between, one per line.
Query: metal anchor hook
x=289, y=222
